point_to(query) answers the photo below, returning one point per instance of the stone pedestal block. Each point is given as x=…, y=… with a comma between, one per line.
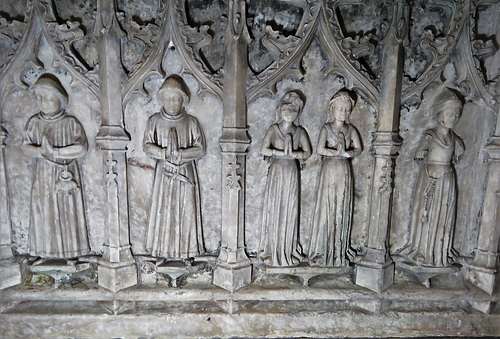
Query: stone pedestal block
x=10, y=273
x=481, y=277
x=232, y=277
x=116, y=278
x=376, y=277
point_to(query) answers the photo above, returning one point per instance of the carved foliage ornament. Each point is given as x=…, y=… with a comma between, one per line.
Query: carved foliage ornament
x=42, y=28
x=12, y=30
x=233, y=179
x=319, y=19
x=440, y=47
x=171, y=29
x=344, y=56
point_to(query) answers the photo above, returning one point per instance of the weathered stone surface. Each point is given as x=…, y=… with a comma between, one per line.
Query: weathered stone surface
x=238, y=59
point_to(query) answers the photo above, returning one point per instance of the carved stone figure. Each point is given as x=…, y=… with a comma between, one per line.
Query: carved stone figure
x=57, y=223
x=176, y=140
x=338, y=141
x=434, y=210
x=287, y=143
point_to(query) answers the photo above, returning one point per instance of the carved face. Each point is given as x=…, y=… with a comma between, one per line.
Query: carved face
x=290, y=107
x=340, y=110
x=449, y=115
x=172, y=102
x=47, y=100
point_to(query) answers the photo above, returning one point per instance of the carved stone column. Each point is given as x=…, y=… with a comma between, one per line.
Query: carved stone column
x=117, y=269
x=483, y=271
x=376, y=270
x=234, y=269
x=10, y=270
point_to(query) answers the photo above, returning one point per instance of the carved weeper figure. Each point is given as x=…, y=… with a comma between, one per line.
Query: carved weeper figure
x=286, y=143
x=176, y=140
x=434, y=210
x=56, y=139
x=338, y=141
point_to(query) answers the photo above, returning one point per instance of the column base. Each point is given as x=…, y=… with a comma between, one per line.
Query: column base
x=117, y=277
x=6, y=252
x=375, y=277
x=481, y=277
x=10, y=271
x=232, y=277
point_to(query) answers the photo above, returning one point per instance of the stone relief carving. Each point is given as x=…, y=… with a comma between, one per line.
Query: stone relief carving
x=56, y=139
x=434, y=210
x=338, y=141
x=176, y=140
x=173, y=29
x=286, y=143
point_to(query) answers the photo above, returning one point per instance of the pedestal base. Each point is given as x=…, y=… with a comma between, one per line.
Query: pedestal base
x=116, y=278
x=376, y=277
x=10, y=273
x=232, y=277
x=6, y=252
x=424, y=274
x=483, y=278
x=305, y=272
x=57, y=272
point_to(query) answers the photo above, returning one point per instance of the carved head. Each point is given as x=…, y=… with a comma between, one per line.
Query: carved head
x=173, y=94
x=49, y=94
x=290, y=106
x=340, y=106
x=447, y=108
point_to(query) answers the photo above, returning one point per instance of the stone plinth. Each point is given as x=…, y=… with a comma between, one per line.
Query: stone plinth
x=374, y=276
x=10, y=273
x=274, y=305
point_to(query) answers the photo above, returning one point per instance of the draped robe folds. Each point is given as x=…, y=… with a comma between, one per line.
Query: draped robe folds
x=57, y=221
x=434, y=211
x=331, y=228
x=175, y=226
x=279, y=243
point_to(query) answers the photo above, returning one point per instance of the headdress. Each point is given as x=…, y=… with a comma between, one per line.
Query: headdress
x=175, y=83
x=298, y=94
x=341, y=95
x=446, y=95
x=51, y=82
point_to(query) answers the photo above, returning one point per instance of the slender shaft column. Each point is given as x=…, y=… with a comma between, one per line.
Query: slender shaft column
x=5, y=231
x=10, y=269
x=376, y=270
x=233, y=269
x=117, y=269
x=483, y=270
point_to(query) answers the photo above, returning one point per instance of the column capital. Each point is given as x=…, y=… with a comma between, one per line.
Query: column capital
x=235, y=140
x=387, y=143
x=493, y=149
x=112, y=138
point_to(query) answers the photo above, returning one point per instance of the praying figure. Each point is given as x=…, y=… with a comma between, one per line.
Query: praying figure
x=338, y=142
x=56, y=140
x=434, y=206
x=286, y=143
x=176, y=140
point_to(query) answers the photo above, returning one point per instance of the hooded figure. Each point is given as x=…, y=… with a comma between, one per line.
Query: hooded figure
x=176, y=140
x=434, y=205
x=55, y=139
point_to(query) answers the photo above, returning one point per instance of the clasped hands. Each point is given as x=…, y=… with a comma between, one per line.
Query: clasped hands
x=172, y=151
x=339, y=148
x=47, y=148
x=288, y=151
